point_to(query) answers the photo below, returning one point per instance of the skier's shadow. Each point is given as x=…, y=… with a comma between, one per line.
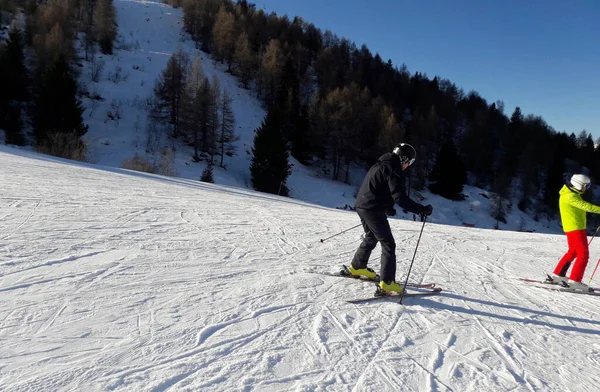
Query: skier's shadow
x=523, y=320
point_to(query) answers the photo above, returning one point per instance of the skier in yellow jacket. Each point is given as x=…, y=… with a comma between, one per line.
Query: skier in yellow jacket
x=573, y=210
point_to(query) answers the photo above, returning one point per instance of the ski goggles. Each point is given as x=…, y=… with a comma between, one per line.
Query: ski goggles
x=406, y=160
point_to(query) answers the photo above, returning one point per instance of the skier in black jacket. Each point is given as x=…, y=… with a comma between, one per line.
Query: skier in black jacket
x=383, y=187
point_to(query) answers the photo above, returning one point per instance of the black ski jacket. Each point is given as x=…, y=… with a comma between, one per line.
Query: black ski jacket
x=384, y=185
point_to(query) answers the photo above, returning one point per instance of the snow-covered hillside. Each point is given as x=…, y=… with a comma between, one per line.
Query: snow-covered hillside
x=149, y=32
x=122, y=281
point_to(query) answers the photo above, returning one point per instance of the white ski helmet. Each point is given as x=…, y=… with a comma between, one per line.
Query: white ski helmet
x=581, y=182
x=406, y=152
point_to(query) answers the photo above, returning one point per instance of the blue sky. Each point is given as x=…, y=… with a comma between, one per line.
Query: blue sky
x=543, y=56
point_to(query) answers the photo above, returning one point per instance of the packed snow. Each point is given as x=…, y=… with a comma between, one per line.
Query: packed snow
x=123, y=281
x=114, y=280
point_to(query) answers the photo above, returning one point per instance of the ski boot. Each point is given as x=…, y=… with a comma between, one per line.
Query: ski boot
x=555, y=279
x=385, y=288
x=367, y=273
x=574, y=285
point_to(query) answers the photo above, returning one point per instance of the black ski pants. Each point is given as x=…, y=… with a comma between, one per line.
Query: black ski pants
x=377, y=229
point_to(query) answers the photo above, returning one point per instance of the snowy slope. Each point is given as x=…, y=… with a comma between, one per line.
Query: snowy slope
x=121, y=281
x=149, y=33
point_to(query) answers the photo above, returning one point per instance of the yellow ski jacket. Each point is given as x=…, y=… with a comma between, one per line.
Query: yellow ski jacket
x=573, y=209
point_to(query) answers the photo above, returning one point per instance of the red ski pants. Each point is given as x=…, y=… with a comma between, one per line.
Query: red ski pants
x=578, y=248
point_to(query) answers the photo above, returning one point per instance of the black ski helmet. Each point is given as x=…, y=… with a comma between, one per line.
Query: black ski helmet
x=406, y=152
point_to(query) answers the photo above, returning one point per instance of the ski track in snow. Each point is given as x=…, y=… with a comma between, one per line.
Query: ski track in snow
x=192, y=287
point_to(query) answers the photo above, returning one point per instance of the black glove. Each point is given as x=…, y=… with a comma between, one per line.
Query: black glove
x=427, y=210
x=391, y=211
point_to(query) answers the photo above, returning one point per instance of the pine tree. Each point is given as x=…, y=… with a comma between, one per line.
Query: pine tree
x=58, y=122
x=193, y=116
x=17, y=80
x=244, y=59
x=270, y=167
x=207, y=174
x=533, y=163
x=595, y=169
x=53, y=45
x=515, y=141
x=104, y=25
x=14, y=82
x=337, y=113
x=224, y=37
x=199, y=20
x=87, y=26
x=317, y=123
x=501, y=183
x=206, y=108
x=196, y=76
x=52, y=29
x=270, y=74
x=390, y=131
x=301, y=143
x=498, y=208
x=448, y=175
x=585, y=145
x=198, y=118
x=214, y=118
x=13, y=126
x=344, y=122
x=170, y=91
x=555, y=177
x=227, y=136
x=288, y=101
x=424, y=139
x=477, y=146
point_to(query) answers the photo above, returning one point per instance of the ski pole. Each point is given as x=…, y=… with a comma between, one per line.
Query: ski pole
x=594, y=273
x=596, y=232
x=341, y=232
x=413, y=259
